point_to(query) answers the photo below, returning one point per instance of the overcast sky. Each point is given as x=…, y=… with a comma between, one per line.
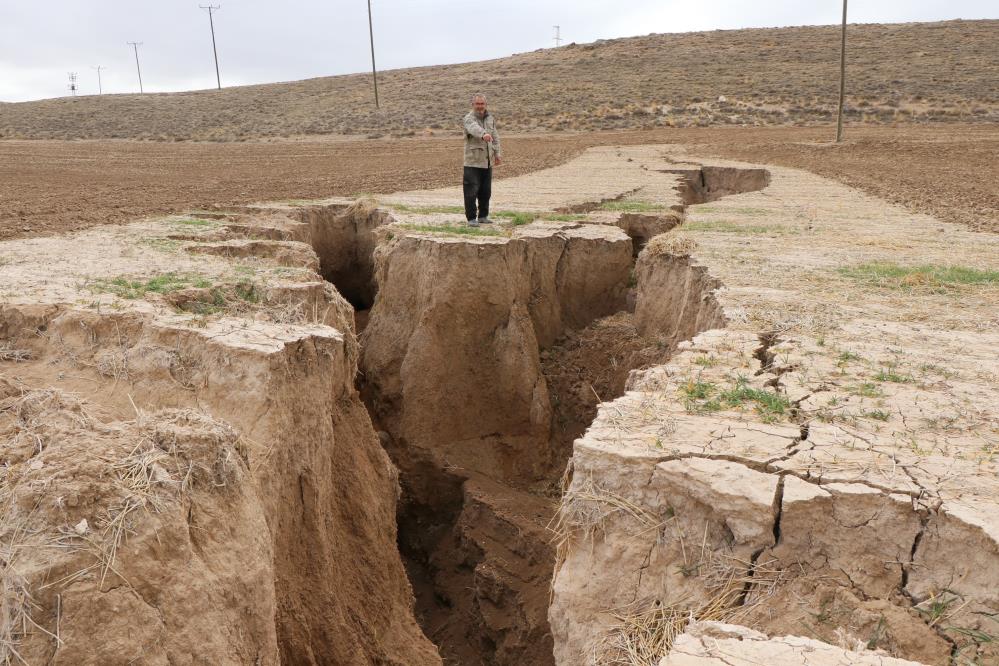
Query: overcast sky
x=261, y=41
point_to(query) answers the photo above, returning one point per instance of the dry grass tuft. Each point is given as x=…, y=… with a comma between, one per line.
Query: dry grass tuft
x=645, y=632
x=585, y=509
x=674, y=244
x=16, y=355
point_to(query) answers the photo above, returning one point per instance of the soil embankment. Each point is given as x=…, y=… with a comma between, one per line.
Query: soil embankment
x=193, y=464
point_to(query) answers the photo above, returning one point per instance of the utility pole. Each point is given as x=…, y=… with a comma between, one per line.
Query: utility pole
x=100, y=88
x=72, y=83
x=211, y=23
x=842, y=78
x=558, y=36
x=136, y=45
x=374, y=70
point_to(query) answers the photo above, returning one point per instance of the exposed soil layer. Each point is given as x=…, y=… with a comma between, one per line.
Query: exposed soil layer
x=589, y=366
x=484, y=359
x=205, y=476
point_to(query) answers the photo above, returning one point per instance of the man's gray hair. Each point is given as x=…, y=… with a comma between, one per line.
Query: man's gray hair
x=477, y=96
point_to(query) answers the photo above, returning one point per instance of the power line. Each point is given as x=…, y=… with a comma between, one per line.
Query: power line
x=374, y=70
x=211, y=23
x=558, y=35
x=842, y=79
x=136, y=45
x=100, y=88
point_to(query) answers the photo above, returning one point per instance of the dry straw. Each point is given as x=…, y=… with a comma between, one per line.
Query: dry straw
x=674, y=243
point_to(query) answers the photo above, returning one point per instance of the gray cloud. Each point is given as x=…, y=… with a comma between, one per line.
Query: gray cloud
x=262, y=41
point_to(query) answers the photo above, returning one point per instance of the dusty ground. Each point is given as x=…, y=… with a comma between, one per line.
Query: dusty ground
x=924, y=72
x=48, y=187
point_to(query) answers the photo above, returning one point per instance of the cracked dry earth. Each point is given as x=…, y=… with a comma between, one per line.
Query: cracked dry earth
x=660, y=413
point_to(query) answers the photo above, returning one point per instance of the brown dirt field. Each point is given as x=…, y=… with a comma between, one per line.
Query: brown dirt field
x=49, y=187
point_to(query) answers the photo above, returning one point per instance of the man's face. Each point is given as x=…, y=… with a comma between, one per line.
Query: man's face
x=479, y=104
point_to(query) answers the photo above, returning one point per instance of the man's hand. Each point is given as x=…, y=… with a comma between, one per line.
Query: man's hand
x=487, y=137
x=497, y=160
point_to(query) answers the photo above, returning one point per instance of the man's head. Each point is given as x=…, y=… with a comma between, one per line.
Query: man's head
x=479, y=103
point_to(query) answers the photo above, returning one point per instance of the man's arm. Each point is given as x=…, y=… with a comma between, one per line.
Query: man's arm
x=496, y=140
x=474, y=128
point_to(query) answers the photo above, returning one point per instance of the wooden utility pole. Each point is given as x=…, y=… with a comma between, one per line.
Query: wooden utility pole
x=211, y=23
x=374, y=70
x=842, y=78
x=136, y=45
x=100, y=88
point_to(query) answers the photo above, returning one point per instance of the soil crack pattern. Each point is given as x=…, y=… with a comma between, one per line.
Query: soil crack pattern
x=656, y=407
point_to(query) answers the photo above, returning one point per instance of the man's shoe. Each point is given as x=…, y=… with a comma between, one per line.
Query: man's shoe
x=485, y=220
x=473, y=223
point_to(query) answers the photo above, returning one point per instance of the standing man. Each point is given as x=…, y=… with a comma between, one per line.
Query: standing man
x=482, y=151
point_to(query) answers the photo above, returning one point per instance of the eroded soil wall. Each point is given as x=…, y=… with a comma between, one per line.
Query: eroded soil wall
x=482, y=362
x=285, y=550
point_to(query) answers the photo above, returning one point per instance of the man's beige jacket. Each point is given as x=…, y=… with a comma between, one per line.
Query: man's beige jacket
x=478, y=153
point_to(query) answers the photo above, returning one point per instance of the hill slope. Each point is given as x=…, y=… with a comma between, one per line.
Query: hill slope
x=947, y=71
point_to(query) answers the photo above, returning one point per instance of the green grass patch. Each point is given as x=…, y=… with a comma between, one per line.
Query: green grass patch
x=632, y=206
x=847, y=356
x=877, y=415
x=517, y=219
x=867, y=390
x=454, y=230
x=888, y=374
x=701, y=397
x=731, y=211
x=893, y=276
x=132, y=288
x=722, y=227
x=196, y=222
x=562, y=217
x=214, y=303
x=167, y=245
x=248, y=291
x=770, y=405
x=427, y=210
x=698, y=390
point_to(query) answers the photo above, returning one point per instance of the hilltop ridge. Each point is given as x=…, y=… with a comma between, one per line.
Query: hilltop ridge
x=912, y=72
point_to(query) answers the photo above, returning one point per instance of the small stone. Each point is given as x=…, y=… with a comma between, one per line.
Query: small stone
x=82, y=527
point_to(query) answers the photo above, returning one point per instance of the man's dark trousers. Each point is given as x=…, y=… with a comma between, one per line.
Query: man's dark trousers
x=478, y=186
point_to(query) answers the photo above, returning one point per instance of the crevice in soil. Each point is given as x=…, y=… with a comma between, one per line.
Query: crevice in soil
x=475, y=542
x=344, y=239
x=590, y=206
x=778, y=509
x=704, y=184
